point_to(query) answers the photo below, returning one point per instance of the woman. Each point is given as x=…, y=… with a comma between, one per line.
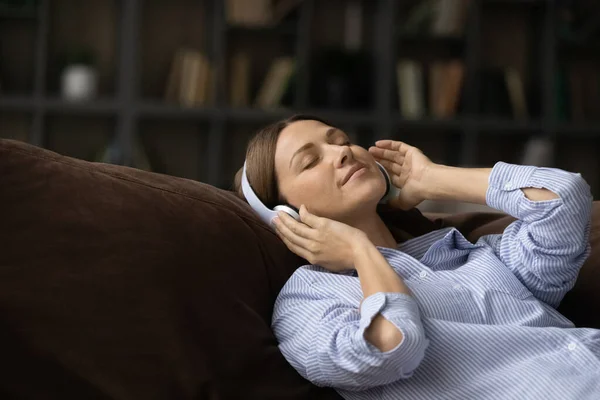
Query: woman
x=435, y=316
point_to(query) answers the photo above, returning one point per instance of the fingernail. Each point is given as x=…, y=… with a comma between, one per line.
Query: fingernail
x=275, y=220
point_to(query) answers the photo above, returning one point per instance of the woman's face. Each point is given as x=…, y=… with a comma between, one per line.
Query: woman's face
x=317, y=166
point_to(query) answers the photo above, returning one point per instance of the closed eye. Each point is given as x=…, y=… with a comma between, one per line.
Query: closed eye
x=311, y=164
x=315, y=160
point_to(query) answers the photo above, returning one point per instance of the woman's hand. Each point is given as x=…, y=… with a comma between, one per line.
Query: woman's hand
x=319, y=240
x=408, y=168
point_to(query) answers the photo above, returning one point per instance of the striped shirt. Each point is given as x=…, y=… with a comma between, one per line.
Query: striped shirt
x=481, y=322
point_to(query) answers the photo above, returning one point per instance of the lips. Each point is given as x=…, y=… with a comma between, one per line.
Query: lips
x=351, y=171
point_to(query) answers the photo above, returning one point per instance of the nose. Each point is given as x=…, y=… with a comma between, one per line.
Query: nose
x=344, y=156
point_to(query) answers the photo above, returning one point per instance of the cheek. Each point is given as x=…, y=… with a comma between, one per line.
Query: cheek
x=313, y=190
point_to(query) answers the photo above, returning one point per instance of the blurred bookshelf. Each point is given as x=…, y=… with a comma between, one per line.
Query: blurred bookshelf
x=188, y=82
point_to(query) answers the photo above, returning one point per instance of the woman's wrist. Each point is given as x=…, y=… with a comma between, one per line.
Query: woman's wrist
x=436, y=181
x=444, y=183
x=360, y=242
x=375, y=273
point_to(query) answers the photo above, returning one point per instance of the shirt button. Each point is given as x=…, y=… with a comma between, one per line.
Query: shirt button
x=423, y=274
x=572, y=346
x=508, y=186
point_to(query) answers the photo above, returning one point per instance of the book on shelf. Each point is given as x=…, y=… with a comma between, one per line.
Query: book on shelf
x=239, y=84
x=282, y=8
x=450, y=17
x=494, y=95
x=445, y=84
x=275, y=83
x=581, y=91
x=409, y=74
x=443, y=18
x=503, y=93
x=444, y=87
x=577, y=89
x=516, y=93
x=188, y=83
x=258, y=13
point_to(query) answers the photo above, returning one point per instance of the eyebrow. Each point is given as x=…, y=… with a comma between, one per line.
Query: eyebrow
x=308, y=145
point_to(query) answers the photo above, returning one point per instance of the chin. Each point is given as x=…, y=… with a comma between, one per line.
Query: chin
x=370, y=192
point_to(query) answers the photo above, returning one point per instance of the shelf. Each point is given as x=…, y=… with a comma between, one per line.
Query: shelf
x=344, y=117
x=250, y=115
x=284, y=29
x=156, y=108
x=159, y=109
x=589, y=129
x=515, y=2
x=15, y=14
x=430, y=46
x=489, y=124
x=97, y=106
x=427, y=123
x=19, y=103
x=588, y=49
x=429, y=40
x=58, y=105
x=508, y=126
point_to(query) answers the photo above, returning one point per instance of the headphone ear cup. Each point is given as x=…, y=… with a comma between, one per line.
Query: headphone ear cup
x=290, y=210
x=386, y=176
x=391, y=191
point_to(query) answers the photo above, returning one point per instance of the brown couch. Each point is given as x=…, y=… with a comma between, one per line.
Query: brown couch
x=121, y=284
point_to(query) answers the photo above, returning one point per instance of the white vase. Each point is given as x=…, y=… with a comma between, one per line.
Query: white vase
x=79, y=82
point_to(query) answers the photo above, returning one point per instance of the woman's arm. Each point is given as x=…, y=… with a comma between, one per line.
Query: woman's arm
x=376, y=275
x=548, y=244
x=337, y=246
x=323, y=336
x=469, y=185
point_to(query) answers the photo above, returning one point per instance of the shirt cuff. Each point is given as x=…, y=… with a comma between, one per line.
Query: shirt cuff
x=506, y=181
x=400, y=309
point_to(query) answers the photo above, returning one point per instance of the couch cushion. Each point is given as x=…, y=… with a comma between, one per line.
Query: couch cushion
x=122, y=284
x=582, y=304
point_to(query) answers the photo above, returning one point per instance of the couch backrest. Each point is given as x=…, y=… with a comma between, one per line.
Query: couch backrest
x=118, y=283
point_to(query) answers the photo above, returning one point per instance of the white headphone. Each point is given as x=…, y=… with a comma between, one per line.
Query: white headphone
x=267, y=215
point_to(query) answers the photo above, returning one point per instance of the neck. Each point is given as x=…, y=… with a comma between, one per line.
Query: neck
x=375, y=229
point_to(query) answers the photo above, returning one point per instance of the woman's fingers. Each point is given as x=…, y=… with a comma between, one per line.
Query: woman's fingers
x=386, y=154
x=292, y=246
x=394, y=145
x=292, y=230
x=398, y=180
x=295, y=243
x=391, y=167
x=309, y=219
x=397, y=177
x=299, y=228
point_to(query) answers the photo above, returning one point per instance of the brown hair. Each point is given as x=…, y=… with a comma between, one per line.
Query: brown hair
x=260, y=162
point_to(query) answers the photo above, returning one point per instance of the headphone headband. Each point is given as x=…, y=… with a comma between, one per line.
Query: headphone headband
x=263, y=211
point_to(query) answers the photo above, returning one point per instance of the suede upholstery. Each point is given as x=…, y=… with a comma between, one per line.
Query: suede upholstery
x=121, y=284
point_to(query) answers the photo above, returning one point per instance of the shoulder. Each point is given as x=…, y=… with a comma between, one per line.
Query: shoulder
x=314, y=282
x=307, y=277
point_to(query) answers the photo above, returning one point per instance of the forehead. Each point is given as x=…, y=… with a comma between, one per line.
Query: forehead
x=294, y=136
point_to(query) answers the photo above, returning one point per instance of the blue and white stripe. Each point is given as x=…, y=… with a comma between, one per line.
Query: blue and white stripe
x=481, y=323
